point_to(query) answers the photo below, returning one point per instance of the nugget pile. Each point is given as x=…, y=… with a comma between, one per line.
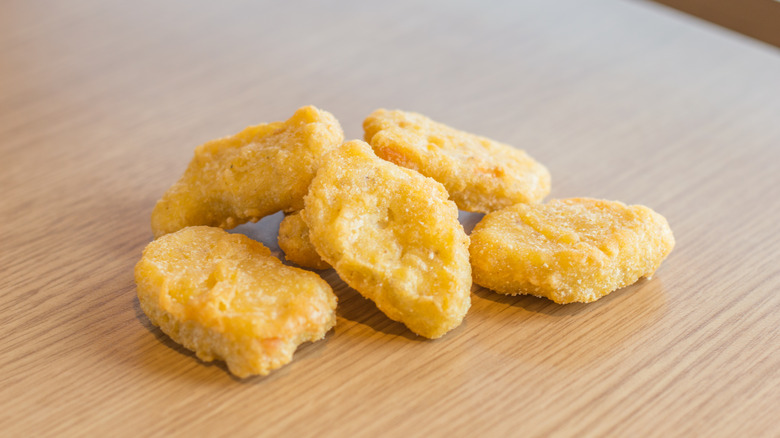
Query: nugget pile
x=384, y=214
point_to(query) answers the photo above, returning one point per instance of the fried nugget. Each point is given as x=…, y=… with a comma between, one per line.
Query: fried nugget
x=294, y=241
x=393, y=236
x=224, y=296
x=568, y=250
x=255, y=173
x=481, y=175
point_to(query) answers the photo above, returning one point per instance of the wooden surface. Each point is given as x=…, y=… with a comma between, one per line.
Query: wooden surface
x=102, y=103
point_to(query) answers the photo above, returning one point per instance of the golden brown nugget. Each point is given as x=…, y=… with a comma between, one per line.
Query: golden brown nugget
x=568, y=250
x=294, y=241
x=224, y=296
x=257, y=172
x=480, y=174
x=393, y=236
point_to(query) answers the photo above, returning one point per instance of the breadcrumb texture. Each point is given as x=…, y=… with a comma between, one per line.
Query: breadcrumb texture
x=568, y=250
x=393, y=236
x=294, y=241
x=224, y=296
x=480, y=174
x=255, y=173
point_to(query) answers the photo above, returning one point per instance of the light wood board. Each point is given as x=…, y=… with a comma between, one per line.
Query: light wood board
x=103, y=102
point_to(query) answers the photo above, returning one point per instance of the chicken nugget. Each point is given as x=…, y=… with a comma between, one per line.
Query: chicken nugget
x=294, y=241
x=224, y=296
x=481, y=175
x=393, y=236
x=255, y=173
x=568, y=250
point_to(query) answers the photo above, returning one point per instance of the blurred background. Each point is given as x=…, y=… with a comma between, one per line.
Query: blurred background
x=759, y=19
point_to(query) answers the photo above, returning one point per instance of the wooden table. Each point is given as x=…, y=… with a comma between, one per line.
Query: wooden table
x=102, y=103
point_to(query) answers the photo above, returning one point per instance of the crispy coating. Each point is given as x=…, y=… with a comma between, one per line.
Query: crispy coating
x=257, y=172
x=393, y=236
x=568, y=250
x=224, y=296
x=294, y=241
x=480, y=174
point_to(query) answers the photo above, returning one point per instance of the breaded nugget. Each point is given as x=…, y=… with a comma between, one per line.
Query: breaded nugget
x=568, y=250
x=224, y=296
x=294, y=241
x=481, y=175
x=257, y=172
x=393, y=236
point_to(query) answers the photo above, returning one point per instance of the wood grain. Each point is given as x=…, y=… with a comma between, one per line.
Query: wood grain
x=102, y=103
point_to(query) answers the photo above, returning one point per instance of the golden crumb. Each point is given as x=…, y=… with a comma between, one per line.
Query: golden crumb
x=294, y=241
x=480, y=174
x=224, y=296
x=568, y=250
x=392, y=235
x=257, y=172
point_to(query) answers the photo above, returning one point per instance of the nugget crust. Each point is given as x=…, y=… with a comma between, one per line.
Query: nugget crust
x=257, y=172
x=568, y=250
x=224, y=296
x=392, y=235
x=480, y=174
x=294, y=241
